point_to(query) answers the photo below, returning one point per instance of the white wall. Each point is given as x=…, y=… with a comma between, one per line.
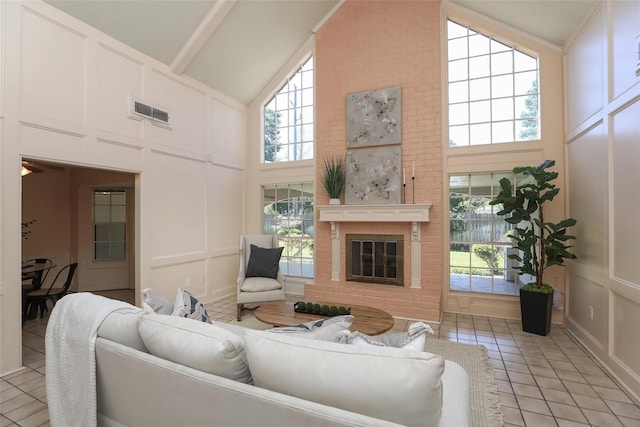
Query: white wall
x=65, y=89
x=602, y=80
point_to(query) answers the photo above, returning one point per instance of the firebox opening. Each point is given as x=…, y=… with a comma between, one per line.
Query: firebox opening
x=375, y=258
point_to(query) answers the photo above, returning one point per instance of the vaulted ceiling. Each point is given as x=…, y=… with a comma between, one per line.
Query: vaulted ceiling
x=237, y=46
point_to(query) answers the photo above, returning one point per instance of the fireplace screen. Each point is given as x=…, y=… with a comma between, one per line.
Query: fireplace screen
x=375, y=258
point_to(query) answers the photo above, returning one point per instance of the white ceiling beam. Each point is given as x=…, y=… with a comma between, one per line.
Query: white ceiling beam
x=201, y=34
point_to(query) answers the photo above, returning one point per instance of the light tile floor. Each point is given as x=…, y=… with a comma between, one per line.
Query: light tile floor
x=542, y=381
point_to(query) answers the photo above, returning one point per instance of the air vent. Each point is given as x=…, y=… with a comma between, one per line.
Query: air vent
x=163, y=116
x=145, y=110
x=140, y=109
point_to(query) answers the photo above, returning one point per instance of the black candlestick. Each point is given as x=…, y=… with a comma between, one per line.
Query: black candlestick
x=413, y=189
x=404, y=193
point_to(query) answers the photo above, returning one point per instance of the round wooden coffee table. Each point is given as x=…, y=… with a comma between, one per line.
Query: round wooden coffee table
x=368, y=320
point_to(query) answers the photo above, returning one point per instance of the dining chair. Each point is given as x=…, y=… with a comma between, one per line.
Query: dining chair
x=53, y=293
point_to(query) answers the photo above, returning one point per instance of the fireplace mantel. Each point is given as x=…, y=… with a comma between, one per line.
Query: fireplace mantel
x=375, y=213
x=411, y=213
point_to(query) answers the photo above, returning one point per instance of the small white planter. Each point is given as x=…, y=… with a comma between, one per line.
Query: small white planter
x=334, y=201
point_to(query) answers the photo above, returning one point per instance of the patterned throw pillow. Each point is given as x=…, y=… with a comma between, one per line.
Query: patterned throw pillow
x=188, y=306
x=414, y=338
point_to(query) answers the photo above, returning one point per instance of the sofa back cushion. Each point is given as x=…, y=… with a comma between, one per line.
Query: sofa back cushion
x=196, y=344
x=398, y=385
x=121, y=326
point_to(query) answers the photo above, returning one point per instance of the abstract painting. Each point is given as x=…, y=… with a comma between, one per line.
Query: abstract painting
x=374, y=117
x=373, y=176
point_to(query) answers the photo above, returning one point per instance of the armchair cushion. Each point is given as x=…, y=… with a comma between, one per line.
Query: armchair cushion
x=264, y=262
x=259, y=284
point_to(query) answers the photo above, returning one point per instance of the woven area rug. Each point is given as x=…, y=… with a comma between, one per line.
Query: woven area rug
x=485, y=408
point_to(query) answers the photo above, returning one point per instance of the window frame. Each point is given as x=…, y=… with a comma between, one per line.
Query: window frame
x=309, y=123
x=110, y=242
x=490, y=125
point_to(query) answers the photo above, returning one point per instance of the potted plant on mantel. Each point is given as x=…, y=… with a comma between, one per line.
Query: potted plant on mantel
x=541, y=244
x=334, y=176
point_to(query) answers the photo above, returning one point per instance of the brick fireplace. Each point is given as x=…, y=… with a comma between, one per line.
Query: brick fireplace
x=352, y=55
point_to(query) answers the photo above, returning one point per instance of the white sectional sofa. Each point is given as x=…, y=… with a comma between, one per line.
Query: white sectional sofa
x=261, y=378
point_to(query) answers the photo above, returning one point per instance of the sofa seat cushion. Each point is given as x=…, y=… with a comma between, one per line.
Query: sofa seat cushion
x=199, y=345
x=259, y=284
x=398, y=385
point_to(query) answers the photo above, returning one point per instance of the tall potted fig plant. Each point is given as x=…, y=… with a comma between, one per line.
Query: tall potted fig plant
x=541, y=244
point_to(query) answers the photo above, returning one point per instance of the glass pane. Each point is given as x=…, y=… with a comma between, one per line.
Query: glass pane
x=502, y=63
x=367, y=258
x=524, y=62
x=479, y=67
x=503, y=132
x=458, y=92
x=480, y=134
x=102, y=213
x=117, y=251
x=101, y=198
x=479, y=89
x=458, y=114
x=117, y=232
x=101, y=251
x=502, y=109
x=457, y=49
x=101, y=232
x=455, y=30
x=458, y=70
x=458, y=136
x=118, y=198
x=478, y=45
x=355, y=258
x=479, y=112
x=459, y=279
x=379, y=259
x=118, y=213
x=502, y=86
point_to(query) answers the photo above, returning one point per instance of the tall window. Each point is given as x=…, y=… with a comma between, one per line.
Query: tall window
x=288, y=212
x=288, y=119
x=479, y=246
x=109, y=225
x=493, y=90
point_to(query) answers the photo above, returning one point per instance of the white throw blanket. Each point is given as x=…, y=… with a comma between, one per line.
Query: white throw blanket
x=70, y=357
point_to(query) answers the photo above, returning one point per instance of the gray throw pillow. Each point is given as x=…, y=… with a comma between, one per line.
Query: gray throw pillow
x=264, y=262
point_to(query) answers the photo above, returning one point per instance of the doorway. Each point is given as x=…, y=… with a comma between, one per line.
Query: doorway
x=58, y=206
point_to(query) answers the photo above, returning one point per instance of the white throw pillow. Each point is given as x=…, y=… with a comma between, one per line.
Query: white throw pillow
x=187, y=305
x=322, y=329
x=199, y=345
x=156, y=303
x=383, y=382
x=414, y=338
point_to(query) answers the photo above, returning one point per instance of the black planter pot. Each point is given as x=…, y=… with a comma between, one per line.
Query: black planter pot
x=535, y=310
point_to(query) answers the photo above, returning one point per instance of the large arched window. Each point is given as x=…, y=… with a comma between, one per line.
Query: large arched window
x=288, y=118
x=492, y=89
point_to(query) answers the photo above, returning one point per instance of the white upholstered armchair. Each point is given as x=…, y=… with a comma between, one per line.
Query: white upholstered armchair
x=261, y=280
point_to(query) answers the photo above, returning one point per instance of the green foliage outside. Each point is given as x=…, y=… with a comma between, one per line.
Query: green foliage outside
x=271, y=146
x=478, y=266
x=490, y=255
